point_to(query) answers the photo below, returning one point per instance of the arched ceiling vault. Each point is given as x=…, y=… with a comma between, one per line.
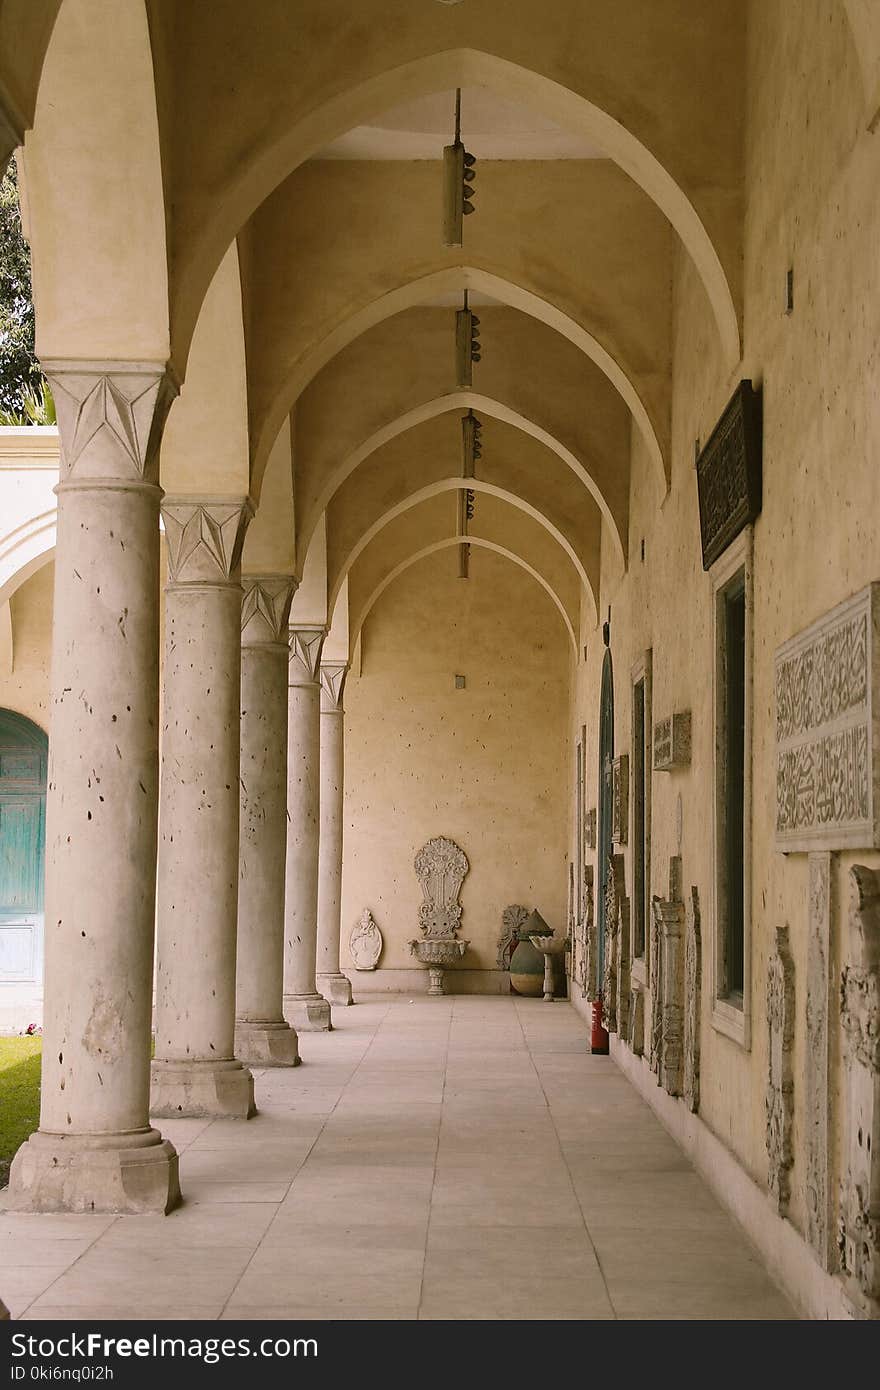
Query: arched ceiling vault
x=597, y=267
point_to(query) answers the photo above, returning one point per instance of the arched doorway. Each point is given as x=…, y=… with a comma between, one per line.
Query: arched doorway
x=23, y=759
x=606, y=761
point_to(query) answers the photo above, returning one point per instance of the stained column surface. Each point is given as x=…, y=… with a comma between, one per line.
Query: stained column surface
x=335, y=986
x=195, y=1071
x=95, y=1149
x=262, y=1037
x=304, y=1007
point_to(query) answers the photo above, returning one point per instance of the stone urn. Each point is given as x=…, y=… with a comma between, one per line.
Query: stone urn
x=438, y=953
x=440, y=866
x=527, y=962
x=551, y=947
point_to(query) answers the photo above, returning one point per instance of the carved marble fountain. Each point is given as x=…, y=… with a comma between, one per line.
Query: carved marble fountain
x=440, y=867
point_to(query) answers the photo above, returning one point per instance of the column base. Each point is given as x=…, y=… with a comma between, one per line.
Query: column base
x=4, y=1312
x=308, y=1013
x=133, y=1172
x=266, y=1044
x=200, y=1089
x=335, y=988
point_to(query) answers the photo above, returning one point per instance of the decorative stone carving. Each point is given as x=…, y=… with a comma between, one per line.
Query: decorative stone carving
x=636, y=1038
x=693, y=958
x=623, y=952
x=205, y=537
x=729, y=473
x=513, y=919
x=304, y=665
x=828, y=731
x=365, y=942
x=613, y=891
x=619, y=799
x=265, y=607
x=590, y=937
x=672, y=742
x=859, y=1229
x=440, y=868
x=820, y=1229
x=590, y=828
x=333, y=675
x=576, y=963
x=779, y=1098
x=110, y=423
x=667, y=984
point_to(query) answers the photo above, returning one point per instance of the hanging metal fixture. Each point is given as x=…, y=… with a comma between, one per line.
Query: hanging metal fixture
x=467, y=344
x=459, y=173
x=471, y=440
x=471, y=443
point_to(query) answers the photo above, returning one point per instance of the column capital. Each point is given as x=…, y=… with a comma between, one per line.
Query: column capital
x=110, y=419
x=265, y=608
x=333, y=675
x=306, y=644
x=205, y=536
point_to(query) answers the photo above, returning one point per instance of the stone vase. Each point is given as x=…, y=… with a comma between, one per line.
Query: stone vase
x=527, y=967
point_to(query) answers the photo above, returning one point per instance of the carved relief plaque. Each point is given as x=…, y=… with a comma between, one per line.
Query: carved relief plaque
x=612, y=927
x=440, y=868
x=820, y=1221
x=729, y=473
x=513, y=918
x=672, y=742
x=828, y=731
x=779, y=1097
x=589, y=938
x=619, y=799
x=590, y=828
x=365, y=942
x=623, y=950
x=859, y=1231
x=692, y=987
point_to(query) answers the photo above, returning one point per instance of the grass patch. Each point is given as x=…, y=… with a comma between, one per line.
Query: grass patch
x=19, y=1096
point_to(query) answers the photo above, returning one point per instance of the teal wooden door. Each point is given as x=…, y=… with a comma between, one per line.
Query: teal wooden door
x=23, y=757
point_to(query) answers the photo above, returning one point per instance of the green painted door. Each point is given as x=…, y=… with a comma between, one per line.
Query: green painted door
x=23, y=757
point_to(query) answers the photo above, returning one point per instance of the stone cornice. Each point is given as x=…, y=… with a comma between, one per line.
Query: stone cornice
x=306, y=644
x=265, y=608
x=205, y=536
x=333, y=675
x=110, y=418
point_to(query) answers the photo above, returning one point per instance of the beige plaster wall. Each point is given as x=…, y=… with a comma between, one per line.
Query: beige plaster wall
x=812, y=173
x=26, y=688
x=485, y=765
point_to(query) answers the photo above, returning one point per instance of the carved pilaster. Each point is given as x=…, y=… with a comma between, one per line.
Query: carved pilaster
x=589, y=938
x=655, y=981
x=110, y=419
x=693, y=965
x=817, y=1097
x=637, y=1020
x=612, y=924
x=667, y=984
x=779, y=1099
x=859, y=1232
x=265, y=608
x=306, y=644
x=205, y=536
x=623, y=954
x=333, y=675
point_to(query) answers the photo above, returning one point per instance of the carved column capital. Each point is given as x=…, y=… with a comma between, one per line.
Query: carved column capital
x=110, y=420
x=205, y=537
x=306, y=645
x=265, y=608
x=333, y=675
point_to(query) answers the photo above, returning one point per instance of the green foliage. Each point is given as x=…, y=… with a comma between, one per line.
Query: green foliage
x=19, y=1095
x=19, y=369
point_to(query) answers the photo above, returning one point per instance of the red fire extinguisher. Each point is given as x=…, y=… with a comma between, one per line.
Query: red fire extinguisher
x=598, y=1034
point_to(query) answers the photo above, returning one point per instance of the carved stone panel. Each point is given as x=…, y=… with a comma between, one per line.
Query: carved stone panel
x=729, y=473
x=655, y=981
x=365, y=942
x=513, y=919
x=613, y=889
x=693, y=957
x=265, y=606
x=671, y=1071
x=828, y=731
x=620, y=799
x=779, y=1097
x=637, y=1020
x=820, y=1217
x=859, y=1231
x=672, y=742
x=590, y=828
x=623, y=955
x=205, y=537
x=440, y=868
x=590, y=938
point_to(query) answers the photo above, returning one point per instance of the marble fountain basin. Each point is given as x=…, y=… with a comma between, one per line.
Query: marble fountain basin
x=438, y=953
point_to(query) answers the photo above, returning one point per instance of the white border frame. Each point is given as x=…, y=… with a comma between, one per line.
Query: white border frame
x=727, y=1017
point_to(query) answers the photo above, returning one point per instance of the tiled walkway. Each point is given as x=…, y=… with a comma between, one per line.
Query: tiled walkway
x=432, y=1158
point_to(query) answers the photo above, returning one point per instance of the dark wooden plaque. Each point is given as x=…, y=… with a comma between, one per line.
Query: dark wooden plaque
x=729, y=473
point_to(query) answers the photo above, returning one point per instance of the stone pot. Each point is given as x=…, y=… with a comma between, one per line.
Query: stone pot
x=527, y=967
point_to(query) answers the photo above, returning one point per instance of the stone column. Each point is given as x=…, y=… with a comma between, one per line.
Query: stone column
x=304, y=1007
x=335, y=986
x=262, y=1038
x=95, y=1149
x=195, y=1071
